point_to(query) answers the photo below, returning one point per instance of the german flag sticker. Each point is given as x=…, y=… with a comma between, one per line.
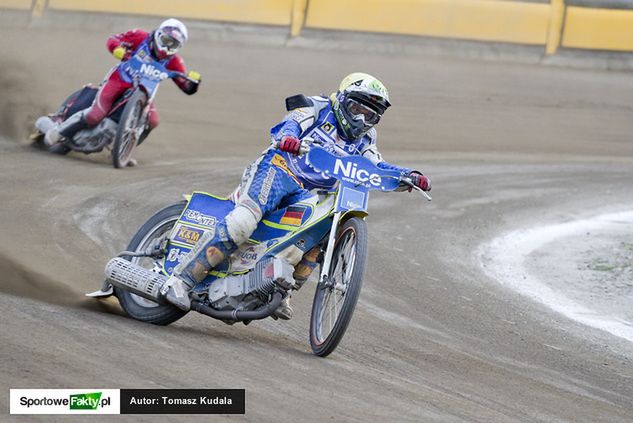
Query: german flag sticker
x=293, y=216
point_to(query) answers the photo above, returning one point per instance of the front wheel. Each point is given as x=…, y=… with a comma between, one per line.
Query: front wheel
x=138, y=307
x=130, y=128
x=336, y=297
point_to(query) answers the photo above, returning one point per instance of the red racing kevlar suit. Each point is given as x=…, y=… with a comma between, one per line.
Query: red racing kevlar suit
x=114, y=86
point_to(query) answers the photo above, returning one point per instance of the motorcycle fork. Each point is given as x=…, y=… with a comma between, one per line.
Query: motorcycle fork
x=324, y=279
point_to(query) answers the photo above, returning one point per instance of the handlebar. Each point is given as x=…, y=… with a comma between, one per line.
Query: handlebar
x=174, y=74
x=307, y=142
x=407, y=181
x=171, y=74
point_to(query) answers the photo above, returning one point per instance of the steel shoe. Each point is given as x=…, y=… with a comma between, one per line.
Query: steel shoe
x=284, y=311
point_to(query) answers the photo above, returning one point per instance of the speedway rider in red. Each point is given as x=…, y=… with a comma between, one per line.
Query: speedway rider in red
x=164, y=43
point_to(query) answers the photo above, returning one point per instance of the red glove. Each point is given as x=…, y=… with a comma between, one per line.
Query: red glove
x=420, y=181
x=289, y=144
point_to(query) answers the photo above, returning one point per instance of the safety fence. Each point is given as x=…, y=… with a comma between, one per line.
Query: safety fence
x=576, y=24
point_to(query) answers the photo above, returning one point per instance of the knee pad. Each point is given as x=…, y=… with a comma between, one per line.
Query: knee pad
x=241, y=222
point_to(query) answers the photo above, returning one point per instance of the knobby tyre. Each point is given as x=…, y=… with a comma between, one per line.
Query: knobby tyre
x=59, y=148
x=129, y=129
x=335, y=301
x=138, y=307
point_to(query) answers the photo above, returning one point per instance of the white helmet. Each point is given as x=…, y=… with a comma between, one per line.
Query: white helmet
x=169, y=37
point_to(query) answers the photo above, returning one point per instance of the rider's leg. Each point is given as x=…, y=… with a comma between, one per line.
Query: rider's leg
x=153, y=120
x=306, y=266
x=110, y=90
x=213, y=248
x=262, y=189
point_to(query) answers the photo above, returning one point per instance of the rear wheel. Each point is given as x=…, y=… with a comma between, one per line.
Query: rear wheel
x=60, y=148
x=138, y=307
x=130, y=128
x=336, y=297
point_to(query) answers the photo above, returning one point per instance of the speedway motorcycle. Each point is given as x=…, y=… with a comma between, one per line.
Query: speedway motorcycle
x=251, y=283
x=125, y=126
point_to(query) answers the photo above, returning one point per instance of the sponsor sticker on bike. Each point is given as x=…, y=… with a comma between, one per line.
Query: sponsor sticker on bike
x=187, y=234
x=201, y=219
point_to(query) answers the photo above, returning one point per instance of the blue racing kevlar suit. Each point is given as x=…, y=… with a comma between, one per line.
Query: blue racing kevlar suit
x=277, y=179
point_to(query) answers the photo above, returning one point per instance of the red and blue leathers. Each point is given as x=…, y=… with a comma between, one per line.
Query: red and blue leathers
x=114, y=84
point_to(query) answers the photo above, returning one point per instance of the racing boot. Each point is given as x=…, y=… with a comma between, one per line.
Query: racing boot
x=208, y=252
x=66, y=130
x=302, y=272
x=306, y=266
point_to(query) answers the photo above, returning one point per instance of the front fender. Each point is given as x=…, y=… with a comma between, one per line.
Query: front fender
x=353, y=213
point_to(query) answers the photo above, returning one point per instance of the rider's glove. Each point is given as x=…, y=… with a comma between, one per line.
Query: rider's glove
x=119, y=53
x=420, y=181
x=289, y=144
x=194, y=75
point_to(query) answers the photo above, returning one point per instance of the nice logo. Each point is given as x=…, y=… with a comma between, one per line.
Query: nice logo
x=151, y=72
x=352, y=171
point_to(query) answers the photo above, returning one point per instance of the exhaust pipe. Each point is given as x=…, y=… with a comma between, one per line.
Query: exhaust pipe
x=140, y=281
x=133, y=278
x=240, y=315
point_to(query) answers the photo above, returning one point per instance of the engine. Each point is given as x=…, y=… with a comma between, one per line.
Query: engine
x=94, y=139
x=248, y=291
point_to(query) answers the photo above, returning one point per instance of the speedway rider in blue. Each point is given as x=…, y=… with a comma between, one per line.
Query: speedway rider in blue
x=342, y=124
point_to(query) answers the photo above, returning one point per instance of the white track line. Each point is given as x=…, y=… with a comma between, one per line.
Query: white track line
x=504, y=260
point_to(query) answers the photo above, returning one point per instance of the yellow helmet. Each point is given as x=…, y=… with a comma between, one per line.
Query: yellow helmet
x=359, y=104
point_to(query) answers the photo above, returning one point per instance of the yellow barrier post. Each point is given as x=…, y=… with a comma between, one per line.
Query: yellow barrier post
x=298, y=17
x=555, y=30
x=38, y=8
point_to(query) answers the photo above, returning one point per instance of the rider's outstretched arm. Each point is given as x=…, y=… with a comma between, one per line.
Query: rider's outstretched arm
x=128, y=41
x=187, y=86
x=371, y=152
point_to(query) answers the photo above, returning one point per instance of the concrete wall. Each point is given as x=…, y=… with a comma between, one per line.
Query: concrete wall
x=573, y=24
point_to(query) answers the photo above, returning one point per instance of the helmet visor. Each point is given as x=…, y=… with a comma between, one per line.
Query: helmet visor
x=169, y=42
x=361, y=112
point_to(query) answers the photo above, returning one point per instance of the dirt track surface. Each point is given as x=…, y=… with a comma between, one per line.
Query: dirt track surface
x=432, y=339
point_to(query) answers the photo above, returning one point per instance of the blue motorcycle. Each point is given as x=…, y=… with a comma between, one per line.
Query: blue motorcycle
x=251, y=283
x=125, y=126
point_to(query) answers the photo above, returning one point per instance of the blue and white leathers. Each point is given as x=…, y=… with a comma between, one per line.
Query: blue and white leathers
x=277, y=179
x=318, y=122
